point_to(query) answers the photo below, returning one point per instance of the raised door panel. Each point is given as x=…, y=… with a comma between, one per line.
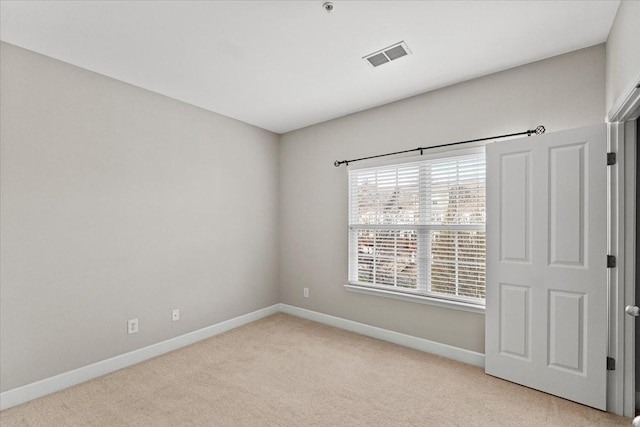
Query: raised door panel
x=515, y=205
x=567, y=329
x=567, y=183
x=515, y=321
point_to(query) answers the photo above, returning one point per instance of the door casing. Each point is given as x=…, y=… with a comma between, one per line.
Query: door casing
x=622, y=139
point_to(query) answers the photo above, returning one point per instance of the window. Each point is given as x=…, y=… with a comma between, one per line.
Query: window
x=419, y=227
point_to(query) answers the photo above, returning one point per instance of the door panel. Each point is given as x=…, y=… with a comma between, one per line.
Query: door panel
x=567, y=204
x=515, y=321
x=515, y=224
x=546, y=315
x=566, y=330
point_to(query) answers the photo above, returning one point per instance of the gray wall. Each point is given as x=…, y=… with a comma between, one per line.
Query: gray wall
x=119, y=203
x=623, y=52
x=564, y=92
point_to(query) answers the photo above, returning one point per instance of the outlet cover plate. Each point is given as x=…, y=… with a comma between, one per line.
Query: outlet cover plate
x=132, y=326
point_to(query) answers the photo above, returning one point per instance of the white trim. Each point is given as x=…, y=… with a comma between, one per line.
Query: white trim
x=59, y=382
x=620, y=393
x=621, y=223
x=422, y=299
x=626, y=105
x=615, y=246
x=628, y=291
x=448, y=351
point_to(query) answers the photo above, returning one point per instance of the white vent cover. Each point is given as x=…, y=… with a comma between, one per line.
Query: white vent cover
x=388, y=54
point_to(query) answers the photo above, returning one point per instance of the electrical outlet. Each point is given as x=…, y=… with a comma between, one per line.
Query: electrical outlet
x=306, y=292
x=132, y=326
x=176, y=314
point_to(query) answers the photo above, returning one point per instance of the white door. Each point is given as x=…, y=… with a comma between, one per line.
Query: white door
x=546, y=313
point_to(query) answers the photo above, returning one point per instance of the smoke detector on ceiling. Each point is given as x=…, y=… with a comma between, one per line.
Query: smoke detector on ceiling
x=388, y=54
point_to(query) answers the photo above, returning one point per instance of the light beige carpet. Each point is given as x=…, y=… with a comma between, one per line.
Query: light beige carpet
x=287, y=371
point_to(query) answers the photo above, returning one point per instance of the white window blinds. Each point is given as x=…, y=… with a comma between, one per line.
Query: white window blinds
x=419, y=227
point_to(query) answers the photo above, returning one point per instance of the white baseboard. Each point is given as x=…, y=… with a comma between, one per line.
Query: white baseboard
x=448, y=351
x=59, y=382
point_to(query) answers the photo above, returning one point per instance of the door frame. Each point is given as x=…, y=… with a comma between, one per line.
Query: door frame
x=621, y=177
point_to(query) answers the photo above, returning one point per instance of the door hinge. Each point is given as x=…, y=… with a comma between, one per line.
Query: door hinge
x=611, y=261
x=611, y=364
x=611, y=159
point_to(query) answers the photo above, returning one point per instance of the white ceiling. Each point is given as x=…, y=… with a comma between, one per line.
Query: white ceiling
x=283, y=65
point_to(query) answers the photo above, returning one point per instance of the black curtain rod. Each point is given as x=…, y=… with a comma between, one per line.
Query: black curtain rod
x=538, y=130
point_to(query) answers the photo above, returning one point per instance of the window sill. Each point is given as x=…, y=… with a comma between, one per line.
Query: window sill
x=456, y=305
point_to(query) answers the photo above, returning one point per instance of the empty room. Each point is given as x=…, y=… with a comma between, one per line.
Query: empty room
x=329, y=213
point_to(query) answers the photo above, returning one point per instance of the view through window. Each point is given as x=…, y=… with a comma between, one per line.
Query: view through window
x=419, y=227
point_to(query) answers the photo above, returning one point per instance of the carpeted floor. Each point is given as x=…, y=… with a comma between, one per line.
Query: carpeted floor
x=287, y=371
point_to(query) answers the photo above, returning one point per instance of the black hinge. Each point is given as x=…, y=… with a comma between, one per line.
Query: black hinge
x=611, y=159
x=611, y=364
x=611, y=261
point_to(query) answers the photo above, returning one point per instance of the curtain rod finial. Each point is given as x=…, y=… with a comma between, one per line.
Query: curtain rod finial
x=336, y=163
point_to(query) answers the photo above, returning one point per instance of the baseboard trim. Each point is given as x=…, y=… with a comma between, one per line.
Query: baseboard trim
x=448, y=351
x=59, y=382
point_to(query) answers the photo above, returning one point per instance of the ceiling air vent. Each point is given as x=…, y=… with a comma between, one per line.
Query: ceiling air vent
x=387, y=54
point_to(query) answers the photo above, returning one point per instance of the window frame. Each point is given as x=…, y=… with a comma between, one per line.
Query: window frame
x=418, y=295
